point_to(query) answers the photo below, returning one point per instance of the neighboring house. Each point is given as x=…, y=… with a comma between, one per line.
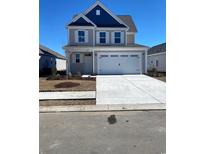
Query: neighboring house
x=100, y=42
x=49, y=59
x=156, y=58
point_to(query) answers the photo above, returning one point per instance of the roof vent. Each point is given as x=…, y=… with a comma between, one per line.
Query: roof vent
x=97, y=12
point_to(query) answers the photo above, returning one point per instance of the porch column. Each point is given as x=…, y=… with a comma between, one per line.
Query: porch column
x=93, y=62
x=68, y=71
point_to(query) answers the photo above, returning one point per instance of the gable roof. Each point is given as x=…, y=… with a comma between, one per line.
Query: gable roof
x=81, y=20
x=46, y=51
x=105, y=19
x=157, y=49
x=129, y=22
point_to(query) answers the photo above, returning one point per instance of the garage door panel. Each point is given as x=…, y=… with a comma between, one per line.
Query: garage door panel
x=119, y=63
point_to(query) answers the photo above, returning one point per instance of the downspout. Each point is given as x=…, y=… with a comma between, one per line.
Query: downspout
x=146, y=61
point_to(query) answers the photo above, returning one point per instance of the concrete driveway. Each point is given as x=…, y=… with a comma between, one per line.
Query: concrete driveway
x=129, y=89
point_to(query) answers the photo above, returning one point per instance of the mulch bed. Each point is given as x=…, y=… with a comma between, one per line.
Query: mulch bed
x=67, y=85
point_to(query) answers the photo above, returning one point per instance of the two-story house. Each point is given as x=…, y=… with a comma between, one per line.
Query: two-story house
x=100, y=42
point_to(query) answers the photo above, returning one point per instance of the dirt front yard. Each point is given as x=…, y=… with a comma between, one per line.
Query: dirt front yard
x=66, y=102
x=67, y=85
x=163, y=78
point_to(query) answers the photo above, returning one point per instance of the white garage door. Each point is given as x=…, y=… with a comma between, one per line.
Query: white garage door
x=119, y=63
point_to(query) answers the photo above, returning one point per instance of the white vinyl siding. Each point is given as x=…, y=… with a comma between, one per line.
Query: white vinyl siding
x=157, y=61
x=61, y=64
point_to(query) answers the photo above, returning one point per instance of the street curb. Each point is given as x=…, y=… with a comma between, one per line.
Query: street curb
x=102, y=108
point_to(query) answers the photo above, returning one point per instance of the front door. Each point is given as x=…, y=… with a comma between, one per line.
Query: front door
x=88, y=63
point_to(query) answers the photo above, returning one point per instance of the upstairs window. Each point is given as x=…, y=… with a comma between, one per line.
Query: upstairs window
x=77, y=58
x=81, y=36
x=102, y=37
x=117, y=37
x=157, y=63
x=97, y=12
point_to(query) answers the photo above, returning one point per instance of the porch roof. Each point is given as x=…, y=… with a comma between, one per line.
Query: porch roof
x=129, y=46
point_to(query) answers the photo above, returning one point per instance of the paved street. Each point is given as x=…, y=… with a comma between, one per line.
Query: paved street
x=133, y=132
x=129, y=89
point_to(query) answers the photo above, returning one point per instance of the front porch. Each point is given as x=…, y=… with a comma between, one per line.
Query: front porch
x=89, y=59
x=82, y=63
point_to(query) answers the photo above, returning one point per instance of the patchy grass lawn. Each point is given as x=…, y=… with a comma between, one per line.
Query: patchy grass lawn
x=67, y=85
x=66, y=102
x=163, y=78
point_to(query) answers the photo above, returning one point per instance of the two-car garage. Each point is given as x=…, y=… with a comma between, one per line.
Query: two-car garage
x=119, y=62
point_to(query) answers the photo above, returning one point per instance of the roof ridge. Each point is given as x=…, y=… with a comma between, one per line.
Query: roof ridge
x=50, y=51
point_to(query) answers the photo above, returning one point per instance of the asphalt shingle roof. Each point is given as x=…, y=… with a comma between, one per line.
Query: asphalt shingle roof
x=127, y=19
x=46, y=51
x=157, y=49
x=107, y=46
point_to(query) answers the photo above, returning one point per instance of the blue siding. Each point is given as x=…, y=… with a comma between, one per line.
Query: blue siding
x=104, y=19
x=80, y=22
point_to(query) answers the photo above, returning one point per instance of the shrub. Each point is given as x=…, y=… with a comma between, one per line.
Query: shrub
x=53, y=71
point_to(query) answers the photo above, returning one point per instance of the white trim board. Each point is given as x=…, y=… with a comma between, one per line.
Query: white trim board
x=155, y=54
x=110, y=28
x=81, y=16
x=98, y=49
x=131, y=33
x=81, y=27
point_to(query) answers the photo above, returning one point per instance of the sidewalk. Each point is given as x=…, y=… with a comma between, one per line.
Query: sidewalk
x=67, y=95
x=97, y=108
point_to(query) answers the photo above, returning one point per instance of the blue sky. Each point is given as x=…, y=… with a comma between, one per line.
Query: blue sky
x=148, y=15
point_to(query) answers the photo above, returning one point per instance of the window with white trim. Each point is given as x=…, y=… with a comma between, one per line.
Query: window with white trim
x=117, y=38
x=123, y=55
x=157, y=63
x=77, y=57
x=102, y=56
x=81, y=36
x=114, y=56
x=102, y=37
